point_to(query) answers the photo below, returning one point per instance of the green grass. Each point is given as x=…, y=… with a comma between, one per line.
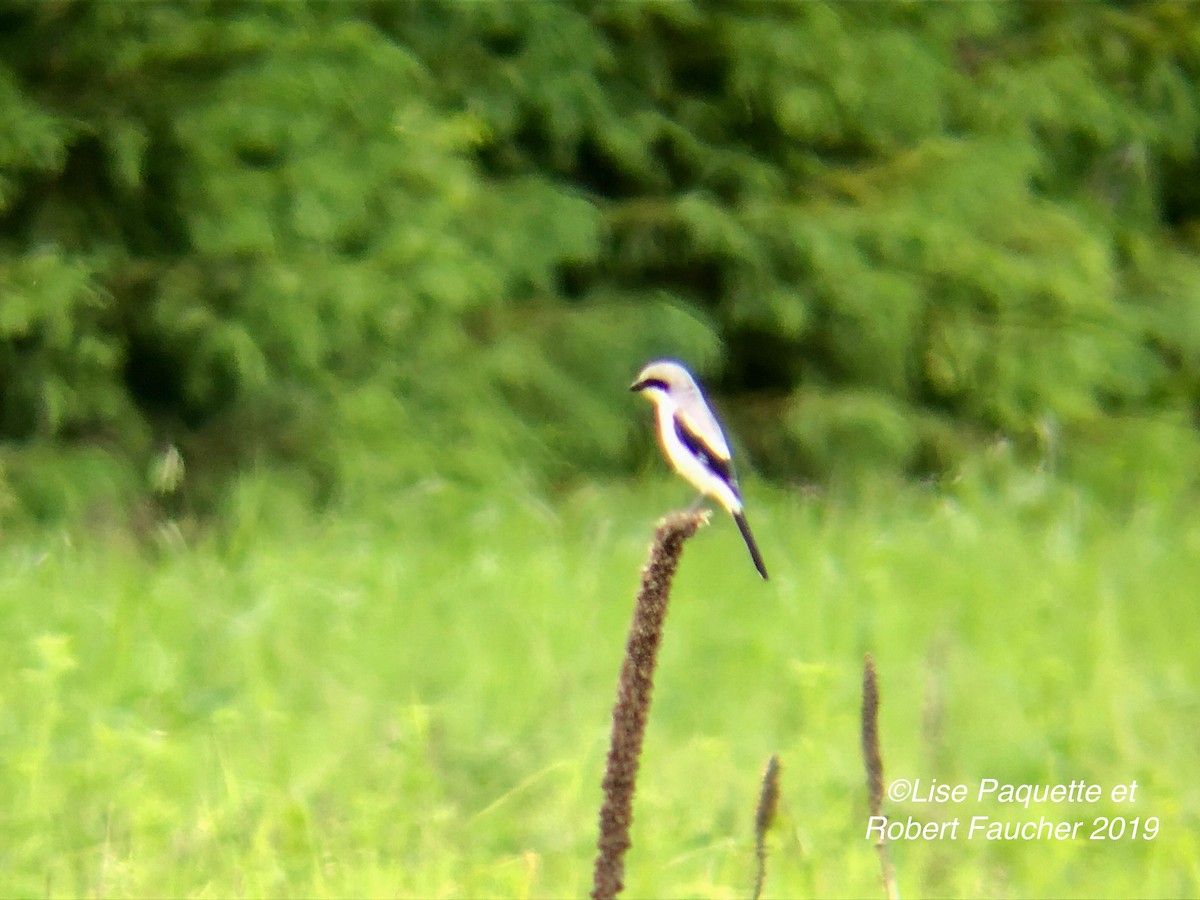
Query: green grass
x=417, y=703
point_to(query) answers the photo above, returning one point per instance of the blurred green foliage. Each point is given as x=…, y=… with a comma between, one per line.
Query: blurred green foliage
x=383, y=242
x=415, y=702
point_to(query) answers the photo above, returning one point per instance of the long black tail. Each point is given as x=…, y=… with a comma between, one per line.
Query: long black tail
x=744, y=528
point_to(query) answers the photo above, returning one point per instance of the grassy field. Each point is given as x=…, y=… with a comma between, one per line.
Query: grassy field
x=416, y=703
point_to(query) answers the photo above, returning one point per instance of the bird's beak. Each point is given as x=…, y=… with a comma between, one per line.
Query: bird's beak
x=638, y=386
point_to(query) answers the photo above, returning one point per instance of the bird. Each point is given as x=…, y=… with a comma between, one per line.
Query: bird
x=692, y=441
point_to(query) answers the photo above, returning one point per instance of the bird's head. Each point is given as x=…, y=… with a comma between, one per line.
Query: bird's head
x=664, y=379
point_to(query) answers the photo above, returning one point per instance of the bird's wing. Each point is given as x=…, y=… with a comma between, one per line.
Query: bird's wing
x=701, y=445
x=700, y=419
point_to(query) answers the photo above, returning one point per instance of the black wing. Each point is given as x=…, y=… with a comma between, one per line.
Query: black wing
x=718, y=465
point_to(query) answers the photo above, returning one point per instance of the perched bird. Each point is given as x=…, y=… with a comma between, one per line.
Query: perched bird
x=692, y=440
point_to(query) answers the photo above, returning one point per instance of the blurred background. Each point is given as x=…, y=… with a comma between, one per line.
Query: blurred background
x=370, y=243
x=291, y=290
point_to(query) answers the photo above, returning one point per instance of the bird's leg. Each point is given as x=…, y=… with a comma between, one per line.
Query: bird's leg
x=696, y=504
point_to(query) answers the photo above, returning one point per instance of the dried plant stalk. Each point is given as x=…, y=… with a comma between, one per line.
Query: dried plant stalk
x=764, y=815
x=874, y=763
x=633, y=698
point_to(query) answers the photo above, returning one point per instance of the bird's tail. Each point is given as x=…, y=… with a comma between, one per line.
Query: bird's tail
x=744, y=528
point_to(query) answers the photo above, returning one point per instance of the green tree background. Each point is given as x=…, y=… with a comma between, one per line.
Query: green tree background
x=369, y=243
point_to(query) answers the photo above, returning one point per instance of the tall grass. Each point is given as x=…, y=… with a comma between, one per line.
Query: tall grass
x=415, y=700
